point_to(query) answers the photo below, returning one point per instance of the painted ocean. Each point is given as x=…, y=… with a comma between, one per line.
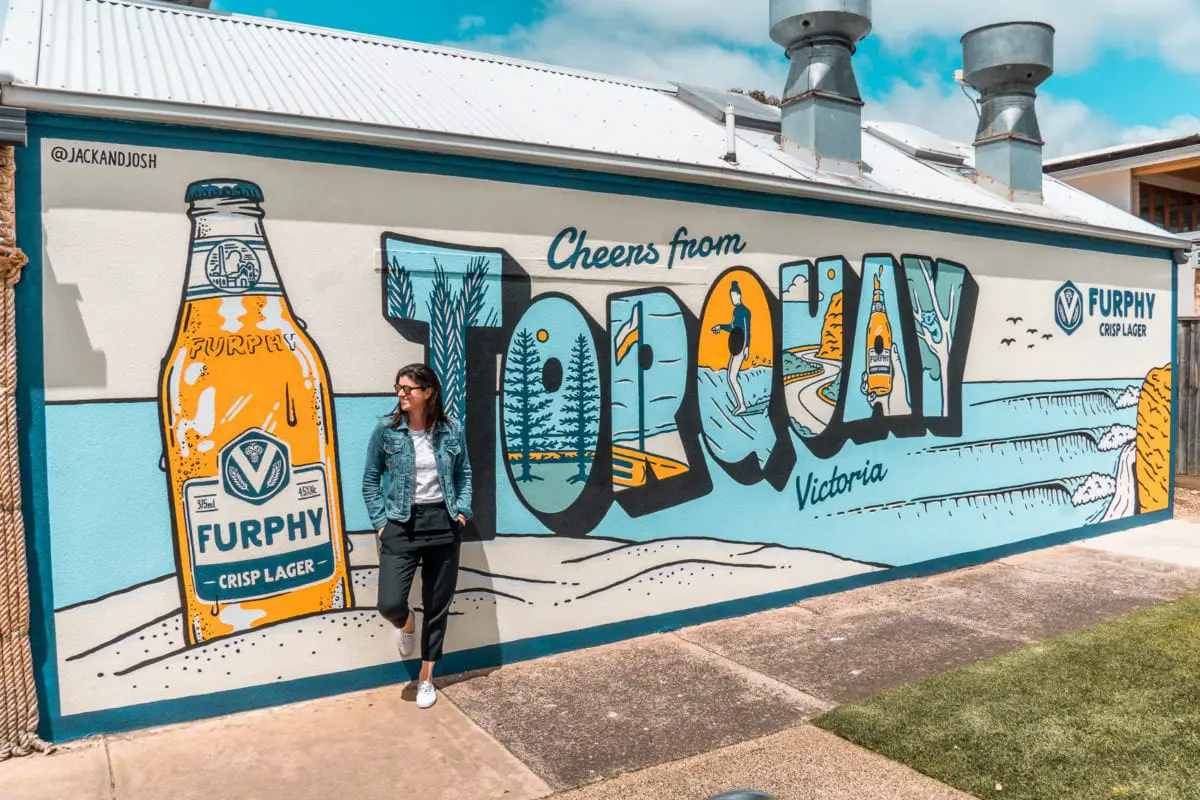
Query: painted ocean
x=1033, y=459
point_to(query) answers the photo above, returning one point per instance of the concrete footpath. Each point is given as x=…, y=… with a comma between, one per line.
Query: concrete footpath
x=683, y=716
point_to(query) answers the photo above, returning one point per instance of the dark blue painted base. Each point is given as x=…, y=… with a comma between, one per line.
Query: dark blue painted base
x=192, y=708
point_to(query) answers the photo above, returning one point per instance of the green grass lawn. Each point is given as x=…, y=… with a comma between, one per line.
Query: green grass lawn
x=1111, y=711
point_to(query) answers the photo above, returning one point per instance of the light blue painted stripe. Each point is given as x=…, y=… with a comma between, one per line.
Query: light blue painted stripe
x=136, y=528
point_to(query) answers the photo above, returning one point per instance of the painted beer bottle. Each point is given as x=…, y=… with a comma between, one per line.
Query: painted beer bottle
x=248, y=432
x=879, y=347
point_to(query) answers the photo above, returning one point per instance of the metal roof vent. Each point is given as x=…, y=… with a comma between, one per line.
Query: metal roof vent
x=822, y=108
x=920, y=143
x=1006, y=63
x=712, y=102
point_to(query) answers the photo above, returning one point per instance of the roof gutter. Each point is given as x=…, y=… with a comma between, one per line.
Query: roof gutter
x=1140, y=155
x=1125, y=162
x=203, y=116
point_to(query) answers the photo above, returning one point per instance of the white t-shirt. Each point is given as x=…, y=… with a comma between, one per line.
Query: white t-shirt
x=427, y=489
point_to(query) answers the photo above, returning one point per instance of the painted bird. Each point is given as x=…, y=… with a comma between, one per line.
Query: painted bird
x=1032, y=331
x=1007, y=341
x=1047, y=336
x=1015, y=320
x=1030, y=347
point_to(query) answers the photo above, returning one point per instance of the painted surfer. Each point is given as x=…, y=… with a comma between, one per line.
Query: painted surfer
x=739, y=344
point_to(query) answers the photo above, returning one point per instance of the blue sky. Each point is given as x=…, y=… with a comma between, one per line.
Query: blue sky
x=1126, y=71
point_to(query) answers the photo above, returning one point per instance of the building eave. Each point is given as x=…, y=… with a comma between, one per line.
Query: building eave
x=1128, y=158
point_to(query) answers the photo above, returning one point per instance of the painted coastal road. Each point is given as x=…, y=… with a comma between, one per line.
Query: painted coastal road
x=810, y=409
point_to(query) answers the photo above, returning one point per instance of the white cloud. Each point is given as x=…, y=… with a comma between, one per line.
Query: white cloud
x=1165, y=29
x=1182, y=125
x=471, y=22
x=1068, y=126
x=798, y=292
x=596, y=39
x=743, y=22
x=725, y=44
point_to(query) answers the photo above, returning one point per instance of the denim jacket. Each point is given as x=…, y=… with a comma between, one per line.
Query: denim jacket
x=389, y=479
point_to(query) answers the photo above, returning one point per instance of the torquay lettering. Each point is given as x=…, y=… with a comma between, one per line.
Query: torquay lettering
x=882, y=353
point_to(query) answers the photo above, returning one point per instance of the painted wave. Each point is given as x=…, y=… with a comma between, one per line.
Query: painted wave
x=1067, y=443
x=1101, y=400
x=1130, y=397
x=1117, y=437
x=1059, y=491
x=1095, y=487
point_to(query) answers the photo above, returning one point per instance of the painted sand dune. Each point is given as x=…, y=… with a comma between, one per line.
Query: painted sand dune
x=507, y=591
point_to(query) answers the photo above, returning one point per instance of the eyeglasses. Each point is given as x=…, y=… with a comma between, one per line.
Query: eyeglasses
x=402, y=389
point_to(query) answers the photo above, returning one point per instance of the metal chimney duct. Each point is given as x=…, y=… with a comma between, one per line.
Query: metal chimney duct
x=822, y=109
x=1006, y=63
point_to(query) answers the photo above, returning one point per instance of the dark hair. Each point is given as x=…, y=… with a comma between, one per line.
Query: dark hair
x=423, y=376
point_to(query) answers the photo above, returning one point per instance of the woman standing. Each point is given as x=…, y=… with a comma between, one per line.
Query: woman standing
x=417, y=486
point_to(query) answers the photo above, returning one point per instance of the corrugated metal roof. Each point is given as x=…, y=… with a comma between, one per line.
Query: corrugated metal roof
x=247, y=68
x=152, y=52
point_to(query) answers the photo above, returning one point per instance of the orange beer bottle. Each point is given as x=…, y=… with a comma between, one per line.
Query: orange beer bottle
x=247, y=423
x=879, y=347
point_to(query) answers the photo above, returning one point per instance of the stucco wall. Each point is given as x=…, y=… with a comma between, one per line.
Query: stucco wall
x=620, y=485
x=1111, y=187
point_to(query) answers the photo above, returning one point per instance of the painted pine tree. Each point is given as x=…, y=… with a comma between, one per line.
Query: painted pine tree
x=526, y=403
x=402, y=302
x=447, y=341
x=473, y=284
x=581, y=412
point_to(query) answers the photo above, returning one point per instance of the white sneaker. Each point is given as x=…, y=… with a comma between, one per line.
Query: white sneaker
x=426, y=694
x=406, y=641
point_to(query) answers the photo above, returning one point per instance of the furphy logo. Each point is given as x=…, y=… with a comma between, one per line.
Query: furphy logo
x=255, y=467
x=1068, y=308
x=1116, y=309
x=233, y=266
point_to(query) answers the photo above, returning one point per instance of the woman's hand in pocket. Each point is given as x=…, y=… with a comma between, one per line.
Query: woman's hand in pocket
x=462, y=520
x=379, y=534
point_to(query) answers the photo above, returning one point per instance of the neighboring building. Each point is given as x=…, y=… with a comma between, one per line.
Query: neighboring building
x=706, y=364
x=1158, y=182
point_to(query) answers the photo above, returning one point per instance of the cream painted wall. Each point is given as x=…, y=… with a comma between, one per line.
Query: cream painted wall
x=118, y=301
x=1115, y=188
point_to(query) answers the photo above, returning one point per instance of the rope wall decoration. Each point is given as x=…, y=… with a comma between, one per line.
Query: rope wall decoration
x=18, y=695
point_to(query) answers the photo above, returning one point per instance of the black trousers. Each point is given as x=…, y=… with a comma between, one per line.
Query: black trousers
x=399, y=557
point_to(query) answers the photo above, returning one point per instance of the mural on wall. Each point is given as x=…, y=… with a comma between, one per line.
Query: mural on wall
x=813, y=342
x=879, y=363
x=735, y=371
x=551, y=406
x=634, y=454
x=450, y=290
x=655, y=461
x=938, y=289
x=248, y=433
